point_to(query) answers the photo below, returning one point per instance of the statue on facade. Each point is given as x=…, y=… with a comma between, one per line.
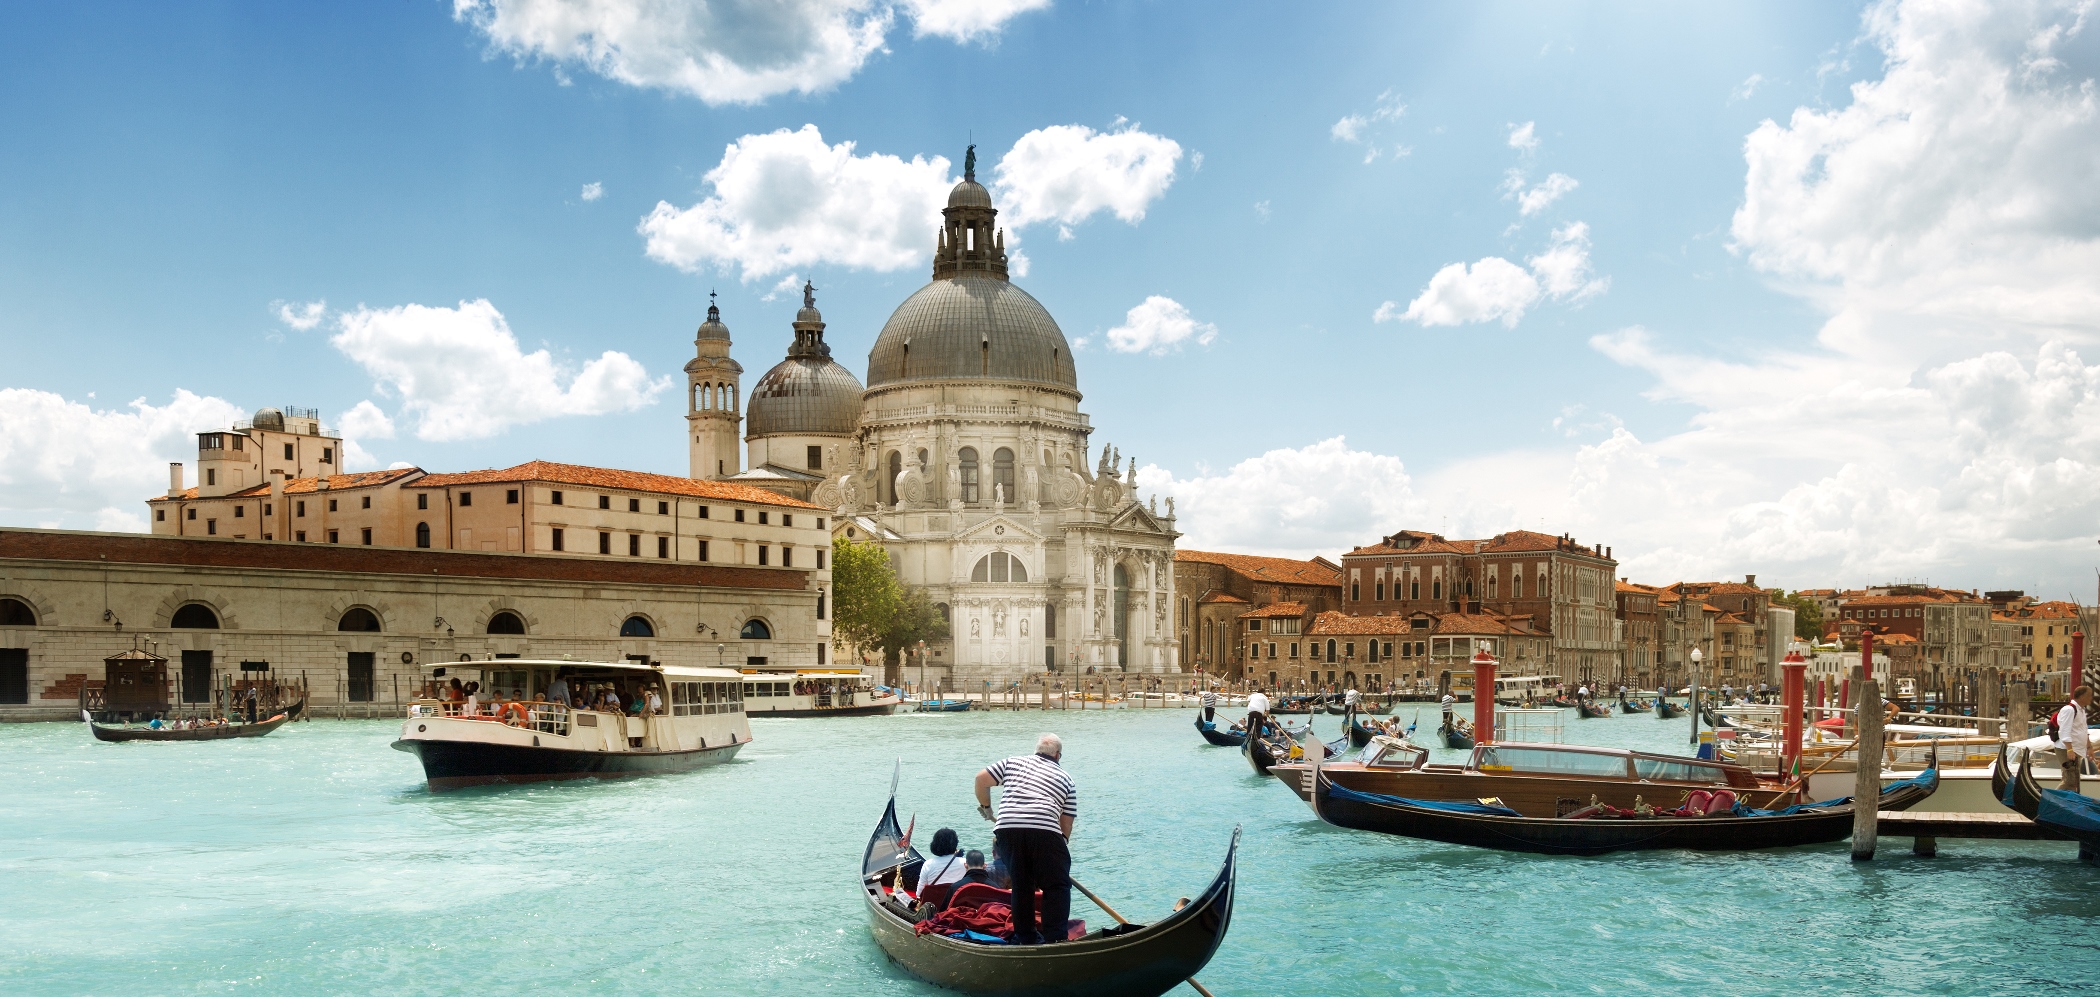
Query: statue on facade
x=970, y=163
x=973, y=627
x=1170, y=507
x=809, y=295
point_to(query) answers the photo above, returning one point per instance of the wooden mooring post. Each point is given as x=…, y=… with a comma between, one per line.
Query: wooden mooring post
x=1866, y=784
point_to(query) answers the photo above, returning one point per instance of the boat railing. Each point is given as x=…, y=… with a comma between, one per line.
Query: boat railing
x=546, y=718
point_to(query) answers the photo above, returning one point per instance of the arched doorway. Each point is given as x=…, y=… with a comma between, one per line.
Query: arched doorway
x=194, y=616
x=1121, y=617
x=506, y=622
x=358, y=620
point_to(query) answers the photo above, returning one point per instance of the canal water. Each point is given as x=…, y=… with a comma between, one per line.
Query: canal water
x=314, y=861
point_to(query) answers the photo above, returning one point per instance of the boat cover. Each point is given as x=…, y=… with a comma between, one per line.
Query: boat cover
x=1447, y=806
x=2073, y=812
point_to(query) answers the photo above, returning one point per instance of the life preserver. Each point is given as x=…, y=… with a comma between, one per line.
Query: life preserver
x=514, y=710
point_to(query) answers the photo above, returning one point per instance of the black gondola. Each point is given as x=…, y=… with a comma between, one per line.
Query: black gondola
x=2024, y=795
x=220, y=733
x=1633, y=706
x=1360, y=735
x=1667, y=710
x=1593, y=711
x=1453, y=737
x=2071, y=815
x=1221, y=738
x=2001, y=775
x=1139, y=960
x=1488, y=826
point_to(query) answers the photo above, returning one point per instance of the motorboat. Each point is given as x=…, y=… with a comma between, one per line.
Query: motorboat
x=816, y=692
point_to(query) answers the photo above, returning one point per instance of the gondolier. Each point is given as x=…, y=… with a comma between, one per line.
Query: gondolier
x=1257, y=712
x=1037, y=806
x=1349, y=701
x=1210, y=704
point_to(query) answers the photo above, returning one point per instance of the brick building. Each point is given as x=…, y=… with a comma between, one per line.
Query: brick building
x=1418, y=650
x=1566, y=590
x=1640, y=632
x=1216, y=592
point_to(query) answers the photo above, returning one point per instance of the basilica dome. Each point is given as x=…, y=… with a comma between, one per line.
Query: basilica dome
x=971, y=323
x=807, y=394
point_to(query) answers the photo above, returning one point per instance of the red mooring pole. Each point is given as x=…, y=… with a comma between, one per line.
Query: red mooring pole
x=1483, y=697
x=1792, y=683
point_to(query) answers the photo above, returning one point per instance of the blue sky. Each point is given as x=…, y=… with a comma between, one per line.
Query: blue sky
x=174, y=175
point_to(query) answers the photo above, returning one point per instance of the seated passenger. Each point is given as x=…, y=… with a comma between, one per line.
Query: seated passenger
x=973, y=869
x=946, y=865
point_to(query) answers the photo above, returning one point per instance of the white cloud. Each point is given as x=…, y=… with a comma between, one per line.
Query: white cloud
x=786, y=199
x=1157, y=325
x=1350, y=128
x=1537, y=198
x=723, y=52
x=300, y=316
x=1746, y=88
x=461, y=374
x=1359, y=127
x=593, y=191
x=1524, y=137
x=1066, y=173
x=1261, y=209
x=1494, y=289
x=365, y=421
x=63, y=463
x=966, y=20
x=1316, y=500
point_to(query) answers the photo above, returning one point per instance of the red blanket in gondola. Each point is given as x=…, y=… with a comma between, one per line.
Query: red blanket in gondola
x=975, y=909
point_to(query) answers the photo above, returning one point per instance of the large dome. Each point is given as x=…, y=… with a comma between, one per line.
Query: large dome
x=805, y=396
x=972, y=327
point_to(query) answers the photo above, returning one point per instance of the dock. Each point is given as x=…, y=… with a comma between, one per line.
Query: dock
x=1925, y=828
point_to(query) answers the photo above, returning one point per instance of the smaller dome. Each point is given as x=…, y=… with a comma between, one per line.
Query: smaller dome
x=713, y=327
x=809, y=313
x=804, y=396
x=268, y=418
x=969, y=194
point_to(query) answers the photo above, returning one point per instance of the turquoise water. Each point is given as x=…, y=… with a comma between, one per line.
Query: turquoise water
x=314, y=861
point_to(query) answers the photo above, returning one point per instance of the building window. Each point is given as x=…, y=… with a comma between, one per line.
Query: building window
x=331, y=505
x=755, y=630
x=787, y=519
x=358, y=620
x=367, y=502
x=365, y=536
x=1272, y=649
x=763, y=553
x=1294, y=649
x=300, y=536
x=762, y=517
x=820, y=559
x=423, y=500
x=211, y=527
x=637, y=627
x=554, y=498
x=160, y=515
x=820, y=522
x=740, y=515
x=703, y=512
x=816, y=458
x=1254, y=626
x=604, y=501
x=787, y=556
x=1436, y=589
x=422, y=534
x=1002, y=567
x=896, y=468
x=634, y=505
x=820, y=604
x=1355, y=592
x=557, y=539
x=663, y=547
x=604, y=543
x=240, y=512
x=634, y=545
x=1379, y=589
x=1050, y=622
x=327, y=455
x=506, y=622
x=287, y=451
x=194, y=616
x=211, y=477
x=663, y=508
x=703, y=550
x=968, y=457
x=510, y=496
x=299, y=509
x=1003, y=475
x=334, y=536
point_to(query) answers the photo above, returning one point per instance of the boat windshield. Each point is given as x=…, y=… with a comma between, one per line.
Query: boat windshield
x=1515, y=758
x=1663, y=770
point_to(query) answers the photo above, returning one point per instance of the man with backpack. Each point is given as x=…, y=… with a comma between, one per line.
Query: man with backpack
x=2067, y=730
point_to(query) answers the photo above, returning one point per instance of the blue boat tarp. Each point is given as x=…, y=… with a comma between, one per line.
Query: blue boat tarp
x=2077, y=814
x=1446, y=806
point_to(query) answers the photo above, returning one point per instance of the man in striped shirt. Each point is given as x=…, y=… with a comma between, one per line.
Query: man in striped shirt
x=1210, y=705
x=1037, y=806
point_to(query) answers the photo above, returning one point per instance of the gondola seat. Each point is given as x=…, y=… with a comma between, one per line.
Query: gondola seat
x=939, y=894
x=981, y=908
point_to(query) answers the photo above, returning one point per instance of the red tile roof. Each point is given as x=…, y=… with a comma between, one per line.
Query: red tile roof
x=1333, y=623
x=1275, y=610
x=1267, y=569
x=302, y=486
x=1513, y=542
x=1215, y=595
x=601, y=477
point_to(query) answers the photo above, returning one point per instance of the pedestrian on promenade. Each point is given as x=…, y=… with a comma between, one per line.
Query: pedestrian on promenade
x=2074, y=743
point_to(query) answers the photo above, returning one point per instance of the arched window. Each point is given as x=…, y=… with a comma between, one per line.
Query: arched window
x=1516, y=584
x=1330, y=649
x=896, y=468
x=756, y=630
x=968, y=458
x=422, y=534
x=945, y=617
x=194, y=617
x=16, y=613
x=922, y=460
x=1493, y=585
x=508, y=623
x=999, y=567
x=1436, y=589
x=1003, y=474
x=358, y=619
x=637, y=627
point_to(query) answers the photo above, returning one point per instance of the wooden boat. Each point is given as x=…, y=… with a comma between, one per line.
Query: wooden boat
x=2071, y=815
x=1545, y=780
x=1667, y=710
x=944, y=706
x=111, y=732
x=702, y=724
x=1221, y=738
x=2024, y=795
x=1593, y=711
x=1453, y=737
x=1360, y=735
x=1260, y=752
x=1630, y=707
x=1142, y=960
x=1484, y=825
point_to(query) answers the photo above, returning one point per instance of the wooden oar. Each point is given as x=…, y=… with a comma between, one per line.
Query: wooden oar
x=1120, y=919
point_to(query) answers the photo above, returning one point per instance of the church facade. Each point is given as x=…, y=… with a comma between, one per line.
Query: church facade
x=966, y=454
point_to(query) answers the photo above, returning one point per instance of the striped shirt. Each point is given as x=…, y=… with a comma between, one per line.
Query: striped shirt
x=1210, y=699
x=1037, y=793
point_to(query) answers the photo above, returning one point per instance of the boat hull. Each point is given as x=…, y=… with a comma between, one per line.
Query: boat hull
x=865, y=710
x=1221, y=738
x=461, y=764
x=228, y=732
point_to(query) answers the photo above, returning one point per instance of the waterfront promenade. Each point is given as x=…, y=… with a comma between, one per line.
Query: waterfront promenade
x=314, y=861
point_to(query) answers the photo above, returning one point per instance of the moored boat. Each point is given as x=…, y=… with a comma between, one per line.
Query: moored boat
x=168, y=732
x=701, y=722
x=815, y=692
x=943, y=706
x=1140, y=960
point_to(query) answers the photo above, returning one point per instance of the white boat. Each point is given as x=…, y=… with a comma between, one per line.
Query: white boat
x=816, y=692
x=526, y=738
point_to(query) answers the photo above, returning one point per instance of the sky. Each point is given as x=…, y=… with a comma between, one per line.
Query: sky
x=1802, y=290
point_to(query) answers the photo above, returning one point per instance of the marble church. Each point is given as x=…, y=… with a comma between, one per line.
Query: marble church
x=966, y=454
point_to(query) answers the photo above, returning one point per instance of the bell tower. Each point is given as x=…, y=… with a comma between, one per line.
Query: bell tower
x=970, y=239
x=713, y=384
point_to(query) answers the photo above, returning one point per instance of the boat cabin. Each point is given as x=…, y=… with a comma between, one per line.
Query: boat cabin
x=134, y=686
x=581, y=705
x=1569, y=761
x=814, y=692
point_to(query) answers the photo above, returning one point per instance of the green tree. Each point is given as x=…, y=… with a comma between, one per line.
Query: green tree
x=872, y=609
x=1808, y=614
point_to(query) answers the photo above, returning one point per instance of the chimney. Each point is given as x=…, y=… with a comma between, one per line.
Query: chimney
x=175, y=480
x=1750, y=580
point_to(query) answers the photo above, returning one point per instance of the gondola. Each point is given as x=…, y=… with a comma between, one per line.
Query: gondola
x=1360, y=735
x=1484, y=825
x=2001, y=775
x=1453, y=737
x=1259, y=752
x=2024, y=794
x=2071, y=815
x=221, y=733
x=944, y=706
x=1221, y=738
x=1142, y=960
x=1667, y=710
x=1263, y=752
x=1593, y=711
x=1634, y=706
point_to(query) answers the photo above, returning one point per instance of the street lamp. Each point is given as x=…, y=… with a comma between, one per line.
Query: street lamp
x=1696, y=658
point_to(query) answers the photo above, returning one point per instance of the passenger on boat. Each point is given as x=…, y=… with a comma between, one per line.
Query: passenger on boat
x=1037, y=808
x=946, y=865
x=472, y=700
x=973, y=869
x=558, y=691
x=609, y=701
x=453, y=693
x=656, y=703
